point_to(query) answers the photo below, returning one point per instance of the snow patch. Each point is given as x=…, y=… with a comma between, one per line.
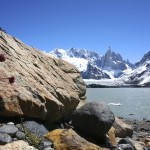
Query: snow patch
x=111, y=72
x=80, y=63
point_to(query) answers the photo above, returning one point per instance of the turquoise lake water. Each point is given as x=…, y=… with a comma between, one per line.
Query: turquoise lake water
x=124, y=102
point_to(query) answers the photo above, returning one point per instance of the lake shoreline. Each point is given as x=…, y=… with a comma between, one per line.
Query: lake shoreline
x=117, y=86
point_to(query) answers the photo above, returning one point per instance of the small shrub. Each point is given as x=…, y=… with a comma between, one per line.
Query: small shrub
x=32, y=138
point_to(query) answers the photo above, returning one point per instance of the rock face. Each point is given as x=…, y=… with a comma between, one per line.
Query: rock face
x=93, y=119
x=113, y=60
x=45, y=88
x=69, y=140
x=93, y=72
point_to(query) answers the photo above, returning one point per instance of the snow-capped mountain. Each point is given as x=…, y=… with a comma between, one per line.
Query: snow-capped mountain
x=92, y=65
x=78, y=57
x=138, y=76
x=141, y=74
x=109, y=69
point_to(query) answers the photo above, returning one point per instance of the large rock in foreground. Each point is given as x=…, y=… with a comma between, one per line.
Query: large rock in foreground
x=45, y=88
x=93, y=119
x=69, y=140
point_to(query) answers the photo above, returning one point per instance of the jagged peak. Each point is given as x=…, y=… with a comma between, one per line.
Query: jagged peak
x=75, y=52
x=109, y=49
x=110, y=54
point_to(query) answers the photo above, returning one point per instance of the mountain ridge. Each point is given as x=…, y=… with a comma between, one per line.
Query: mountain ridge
x=90, y=63
x=110, y=66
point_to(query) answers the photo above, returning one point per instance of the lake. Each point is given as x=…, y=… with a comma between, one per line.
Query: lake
x=131, y=103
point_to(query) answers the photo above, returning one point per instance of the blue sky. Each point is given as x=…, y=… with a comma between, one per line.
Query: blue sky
x=91, y=24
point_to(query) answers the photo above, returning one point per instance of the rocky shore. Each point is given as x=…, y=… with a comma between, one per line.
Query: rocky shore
x=138, y=125
x=32, y=134
x=141, y=130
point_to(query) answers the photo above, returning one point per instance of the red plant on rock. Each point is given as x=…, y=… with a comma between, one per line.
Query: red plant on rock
x=10, y=79
x=2, y=58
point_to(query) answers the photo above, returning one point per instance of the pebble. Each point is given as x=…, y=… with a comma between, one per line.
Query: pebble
x=9, y=129
x=20, y=135
x=48, y=148
x=10, y=123
x=124, y=147
x=5, y=138
x=45, y=144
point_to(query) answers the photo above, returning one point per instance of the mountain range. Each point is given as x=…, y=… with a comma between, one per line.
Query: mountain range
x=109, y=69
